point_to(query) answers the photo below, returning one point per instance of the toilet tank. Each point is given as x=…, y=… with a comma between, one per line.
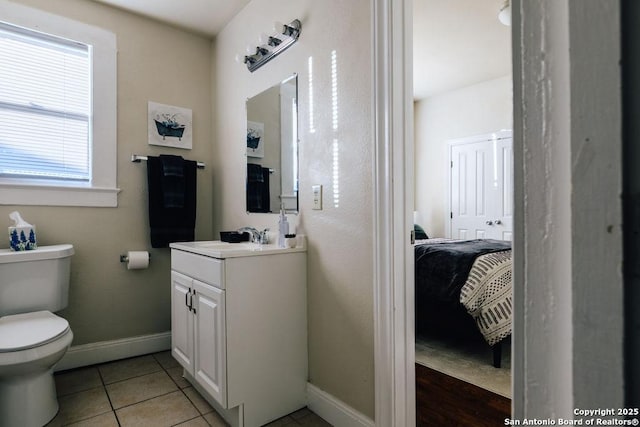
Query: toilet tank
x=34, y=280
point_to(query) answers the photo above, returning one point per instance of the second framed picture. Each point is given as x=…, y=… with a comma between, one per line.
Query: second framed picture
x=255, y=139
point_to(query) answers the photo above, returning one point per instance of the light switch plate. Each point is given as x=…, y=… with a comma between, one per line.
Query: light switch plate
x=317, y=196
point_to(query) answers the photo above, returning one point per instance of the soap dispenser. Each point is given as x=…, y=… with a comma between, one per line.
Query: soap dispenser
x=283, y=228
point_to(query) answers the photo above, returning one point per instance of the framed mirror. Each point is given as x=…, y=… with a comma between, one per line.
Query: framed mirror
x=272, y=149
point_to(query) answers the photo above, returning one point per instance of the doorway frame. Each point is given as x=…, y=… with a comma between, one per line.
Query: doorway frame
x=568, y=38
x=394, y=334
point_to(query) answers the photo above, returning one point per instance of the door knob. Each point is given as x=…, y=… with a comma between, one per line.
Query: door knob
x=497, y=222
x=489, y=222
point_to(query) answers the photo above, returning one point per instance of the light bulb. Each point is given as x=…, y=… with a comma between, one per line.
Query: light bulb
x=504, y=16
x=263, y=39
x=274, y=41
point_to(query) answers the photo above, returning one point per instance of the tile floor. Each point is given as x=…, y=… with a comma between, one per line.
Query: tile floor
x=142, y=391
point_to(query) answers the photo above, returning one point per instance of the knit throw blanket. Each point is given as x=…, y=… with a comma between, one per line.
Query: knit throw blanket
x=487, y=295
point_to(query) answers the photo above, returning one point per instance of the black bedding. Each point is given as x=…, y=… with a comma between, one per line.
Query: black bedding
x=441, y=271
x=441, y=268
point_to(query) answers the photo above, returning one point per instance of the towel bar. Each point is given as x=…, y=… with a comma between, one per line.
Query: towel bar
x=135, y=158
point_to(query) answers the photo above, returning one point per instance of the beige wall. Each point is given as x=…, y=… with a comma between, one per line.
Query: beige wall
x=340, y=266
x=474, y=110
x=106, y=300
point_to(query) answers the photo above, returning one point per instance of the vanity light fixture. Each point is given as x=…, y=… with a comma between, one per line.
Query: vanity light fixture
x=271, y=46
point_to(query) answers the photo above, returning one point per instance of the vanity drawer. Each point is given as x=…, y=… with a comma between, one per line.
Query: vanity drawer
x=205, y=269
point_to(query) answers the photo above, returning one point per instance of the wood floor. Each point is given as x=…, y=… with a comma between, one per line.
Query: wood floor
x=442, y=400
x=467, y=361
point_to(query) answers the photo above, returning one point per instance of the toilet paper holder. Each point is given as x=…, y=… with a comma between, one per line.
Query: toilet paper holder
x=125, y=258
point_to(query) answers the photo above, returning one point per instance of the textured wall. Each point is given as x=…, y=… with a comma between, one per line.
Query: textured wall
x=335, y=130
x=107, y=301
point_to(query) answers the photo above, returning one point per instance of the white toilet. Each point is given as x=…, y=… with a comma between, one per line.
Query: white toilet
x=33, y=284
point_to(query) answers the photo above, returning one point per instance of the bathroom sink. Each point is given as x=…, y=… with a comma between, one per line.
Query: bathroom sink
x=216, y=245
x=219, y=249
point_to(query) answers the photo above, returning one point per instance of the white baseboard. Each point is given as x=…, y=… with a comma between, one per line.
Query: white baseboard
x=106, y=351
x=334, y=411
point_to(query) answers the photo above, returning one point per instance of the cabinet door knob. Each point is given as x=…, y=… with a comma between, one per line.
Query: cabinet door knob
x=489, y=222
x=497, y=222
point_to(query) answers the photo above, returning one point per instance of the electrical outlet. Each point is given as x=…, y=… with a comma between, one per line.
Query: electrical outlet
x=317, y=196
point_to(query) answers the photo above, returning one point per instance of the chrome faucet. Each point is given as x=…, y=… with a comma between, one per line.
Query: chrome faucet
x=259, y=237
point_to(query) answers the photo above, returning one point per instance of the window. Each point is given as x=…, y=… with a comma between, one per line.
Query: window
x=45, y=99
x=57, y=111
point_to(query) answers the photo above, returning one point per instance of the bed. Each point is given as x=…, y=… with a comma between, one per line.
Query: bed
x=462, y=284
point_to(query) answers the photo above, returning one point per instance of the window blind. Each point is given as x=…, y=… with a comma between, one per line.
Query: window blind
x=45, y=106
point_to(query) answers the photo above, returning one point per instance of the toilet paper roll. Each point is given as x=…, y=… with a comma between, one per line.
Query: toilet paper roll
x=137, y=260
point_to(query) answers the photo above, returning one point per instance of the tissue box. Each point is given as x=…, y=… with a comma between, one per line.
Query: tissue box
x=22, y=238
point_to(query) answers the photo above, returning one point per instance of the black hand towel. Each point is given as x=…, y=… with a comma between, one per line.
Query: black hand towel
x=172, y=200
x=173, y=184
x=258, y=195
x=254, y=173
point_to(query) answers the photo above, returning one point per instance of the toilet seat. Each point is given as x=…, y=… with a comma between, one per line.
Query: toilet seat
x=28, y=330
x=27, y=387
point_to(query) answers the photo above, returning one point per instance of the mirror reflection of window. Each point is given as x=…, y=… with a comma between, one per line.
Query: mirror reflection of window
x=272, y=149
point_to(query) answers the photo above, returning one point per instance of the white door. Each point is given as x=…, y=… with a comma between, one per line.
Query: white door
x=503, y=208
x=210, y=340
x=181, y=320
x=481, y=188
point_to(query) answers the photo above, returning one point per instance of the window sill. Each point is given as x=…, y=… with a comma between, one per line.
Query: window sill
x=55, y=194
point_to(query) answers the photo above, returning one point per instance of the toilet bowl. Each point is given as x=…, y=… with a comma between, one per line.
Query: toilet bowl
x=32, y=338
x=30, y=346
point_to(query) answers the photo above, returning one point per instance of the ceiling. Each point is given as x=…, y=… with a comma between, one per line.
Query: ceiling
x=207, y=17
x=456, y=42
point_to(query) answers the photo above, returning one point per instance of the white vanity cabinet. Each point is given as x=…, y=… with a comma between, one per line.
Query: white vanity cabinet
x=239, y=329
x=198, y=332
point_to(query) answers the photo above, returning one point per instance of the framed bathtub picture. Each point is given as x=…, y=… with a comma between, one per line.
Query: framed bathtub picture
x=255, y=139
x=170, y=126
